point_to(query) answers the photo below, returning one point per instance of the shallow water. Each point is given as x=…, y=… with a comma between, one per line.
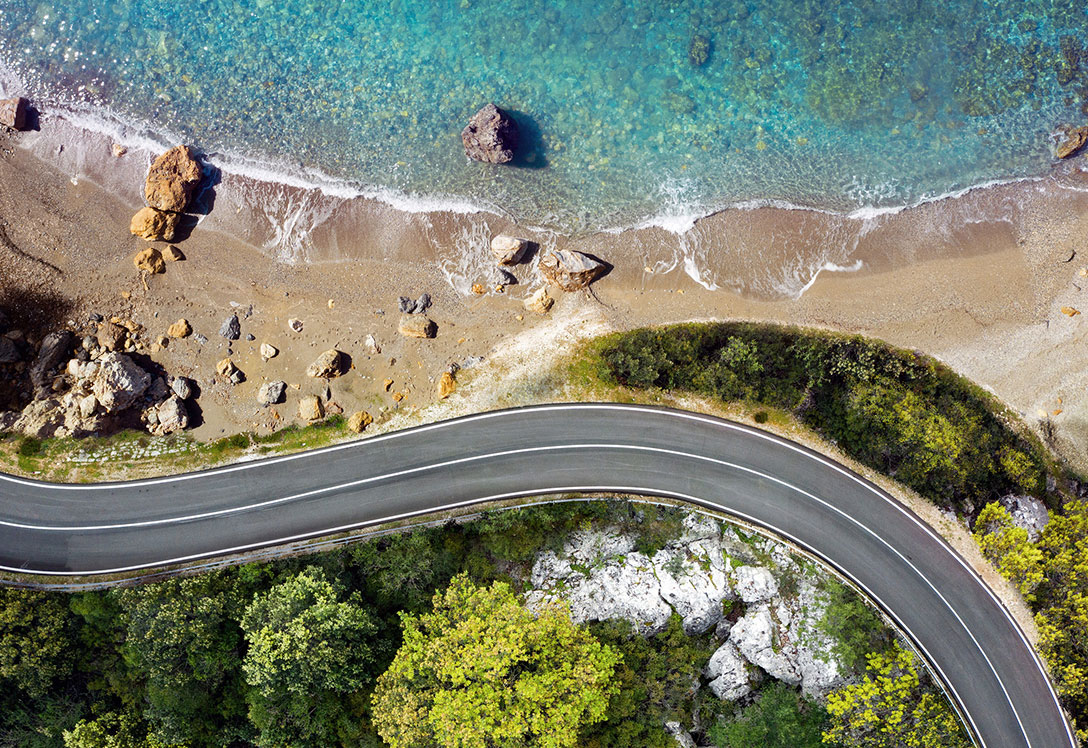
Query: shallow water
x=837, y=105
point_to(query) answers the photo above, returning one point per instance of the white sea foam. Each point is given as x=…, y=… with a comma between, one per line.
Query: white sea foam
x=829, y=267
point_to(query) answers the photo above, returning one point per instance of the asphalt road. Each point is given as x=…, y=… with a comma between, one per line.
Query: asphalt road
x=960, y=627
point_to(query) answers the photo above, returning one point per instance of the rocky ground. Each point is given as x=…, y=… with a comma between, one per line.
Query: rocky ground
x=763, y=605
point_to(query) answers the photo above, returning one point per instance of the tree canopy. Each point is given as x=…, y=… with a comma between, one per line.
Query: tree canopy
x=482, y=670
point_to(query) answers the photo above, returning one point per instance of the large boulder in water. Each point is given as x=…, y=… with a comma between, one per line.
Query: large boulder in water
x=172, y=179
x=1073, y=139
x=491, y=136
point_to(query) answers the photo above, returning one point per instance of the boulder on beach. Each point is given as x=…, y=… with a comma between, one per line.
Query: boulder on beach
x=1073, y=139
x=227, y=369
x=172, y=254
x=571, y=270
x=417, y=326
x=359, y=420
x=491, y=136
x=154, y=225
x=111, y=336
x=119, y=382
x=13, y=112
x=180, y=329
x=150, y=260
x=540, y=302
x=169, y=417
x=328, y=365
x=509, y=250
x=172, y=179
x=271, y=393
x=231, y=328
x=54, y=350
x=446, y=385
x=269, y=351
x=310, y=408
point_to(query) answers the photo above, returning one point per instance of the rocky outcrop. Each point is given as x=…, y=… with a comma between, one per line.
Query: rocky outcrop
x=728, y=673
x=167, y=417
x=509, y=250
x=172, y=179
x=271, y=393
x=358, y=421
x=754, y=584
x=328, y=365
x=491, y=136
x=540, y=302
x=680, y=735
x=155, y=225
x=150, y=260
x=119, y=382
x=1072, y=140
x=1027, y=512
x=13, y=113
x=9, y=351
x=416, y=326
x=54, y=349
x=570, y=270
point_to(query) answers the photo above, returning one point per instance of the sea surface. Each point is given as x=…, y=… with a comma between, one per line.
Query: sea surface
x=633, y=112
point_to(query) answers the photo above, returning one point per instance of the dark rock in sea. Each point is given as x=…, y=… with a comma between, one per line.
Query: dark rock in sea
x=13, y=112
x=491, y=136
x=231, y=329
x=699, y=50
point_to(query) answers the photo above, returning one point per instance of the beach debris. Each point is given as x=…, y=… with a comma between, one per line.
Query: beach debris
x=271, y=393
x=509, y=250
x=328, y=365
x=118, y=150
x=13, y=112
x=479, y=289
x=418, y=306
x=372, y=344
x=699, y=50
x=227, y=369
x=154, y=225
x=150, y=260
x=171, y=180
x=295, y=324
x=540, y=302
x=231, y=329
x=387, y=384
x=310, y=408
x=180, y=329
x=1070, y=311
x=491, y=136
x=446, y=385
x=172, y=254
x=1073, y=139
x=358, y=421
x=570, y=270
x=268, y=351
x=111, y=336
x=417, y=326
x=182, y=387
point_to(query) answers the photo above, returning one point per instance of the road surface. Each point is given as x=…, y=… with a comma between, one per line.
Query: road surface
x=954, y=620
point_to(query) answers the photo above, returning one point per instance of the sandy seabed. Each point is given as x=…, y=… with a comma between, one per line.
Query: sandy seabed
x=977, y=280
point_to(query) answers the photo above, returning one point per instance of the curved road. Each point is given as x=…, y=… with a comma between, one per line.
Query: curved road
x=955, y=621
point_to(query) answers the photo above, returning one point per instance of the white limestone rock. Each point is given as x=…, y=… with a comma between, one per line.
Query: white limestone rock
x=728, y=673
x=754, y=584
x=120, y=381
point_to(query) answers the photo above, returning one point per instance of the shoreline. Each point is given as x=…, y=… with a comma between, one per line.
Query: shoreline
x=961, y=277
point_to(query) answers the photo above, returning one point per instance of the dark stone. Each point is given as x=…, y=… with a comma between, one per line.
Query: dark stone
x=9, y=352
x=13, y=112
x=699, y=50
x=491, y=136
x=231, y=329
x=54, y=349
x=419, y=306
x=250, y=337
x=95, y=317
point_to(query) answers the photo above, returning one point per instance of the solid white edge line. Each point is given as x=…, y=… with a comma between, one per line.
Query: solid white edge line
x=710, y=420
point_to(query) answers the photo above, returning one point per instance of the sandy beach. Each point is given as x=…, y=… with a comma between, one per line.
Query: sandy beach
x=977, y=280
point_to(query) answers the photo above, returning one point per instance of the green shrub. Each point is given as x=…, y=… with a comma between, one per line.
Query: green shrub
x=30, y=446
x=779, y=717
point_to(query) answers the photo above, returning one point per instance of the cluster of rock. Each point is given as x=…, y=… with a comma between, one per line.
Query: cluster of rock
x=87, y=385
x=170, y=185
x=700, y=576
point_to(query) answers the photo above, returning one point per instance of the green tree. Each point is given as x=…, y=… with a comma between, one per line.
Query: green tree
x=307, y=649
x=854, y=628
x=893, y=707
x=1009, y=549
x=779, y=718
x=111, y=730
x=182, y=639
x=35, y=639
x=481, y=670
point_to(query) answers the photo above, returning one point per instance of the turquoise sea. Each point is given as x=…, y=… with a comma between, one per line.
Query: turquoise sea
x=631, y=109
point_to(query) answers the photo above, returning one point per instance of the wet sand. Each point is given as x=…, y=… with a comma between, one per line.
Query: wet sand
x=977, y=280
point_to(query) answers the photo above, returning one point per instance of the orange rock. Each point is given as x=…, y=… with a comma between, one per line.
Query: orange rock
x=150, y=260
x=1070, y=311
x=387, y=384
x=446, y=385
x=478, y=289
x=172, y=179
x=154, y=225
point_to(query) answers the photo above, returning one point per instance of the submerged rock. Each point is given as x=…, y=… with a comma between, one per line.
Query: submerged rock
x=172, y=179
x=491, y=136
x=154, y=225
x=571, y=270
x=699, y=50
